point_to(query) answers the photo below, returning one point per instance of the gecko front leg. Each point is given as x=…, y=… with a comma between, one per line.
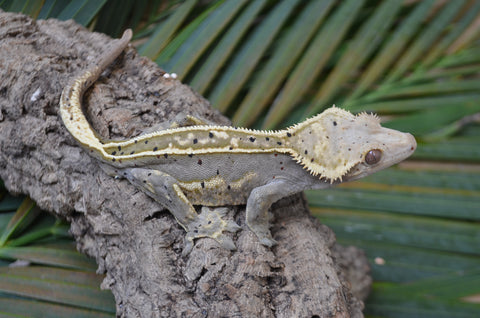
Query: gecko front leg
x=164, y=189
x=260, y=200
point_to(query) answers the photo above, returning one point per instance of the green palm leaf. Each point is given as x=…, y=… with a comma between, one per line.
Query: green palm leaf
x=52, y=279
x=271, y=63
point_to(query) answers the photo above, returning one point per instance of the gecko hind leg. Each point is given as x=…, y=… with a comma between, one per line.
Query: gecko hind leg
x=164, y=189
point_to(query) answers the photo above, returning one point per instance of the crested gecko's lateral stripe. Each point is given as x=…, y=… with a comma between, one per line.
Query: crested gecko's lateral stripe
x=307, y=142
x=222, y=166
x=186, y=140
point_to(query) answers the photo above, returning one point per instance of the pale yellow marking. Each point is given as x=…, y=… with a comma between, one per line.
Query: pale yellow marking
x=204, y=141
x=217, y=182
x=247, y=177
x=179, y=140
x=324, y=159
x=221, y=134
x=180, y=194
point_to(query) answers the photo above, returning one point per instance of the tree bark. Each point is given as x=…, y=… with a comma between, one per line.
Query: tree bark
x=134, y=241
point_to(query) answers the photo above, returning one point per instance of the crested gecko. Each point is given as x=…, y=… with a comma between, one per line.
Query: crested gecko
x=219, y=166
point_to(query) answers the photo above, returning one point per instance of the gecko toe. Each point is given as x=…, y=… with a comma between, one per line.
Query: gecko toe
x=268, y=241
x=226, y=242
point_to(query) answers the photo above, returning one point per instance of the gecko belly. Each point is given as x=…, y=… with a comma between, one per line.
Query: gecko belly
x=223, y=180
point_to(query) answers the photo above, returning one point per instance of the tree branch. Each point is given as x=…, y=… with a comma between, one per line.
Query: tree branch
x=135, y=242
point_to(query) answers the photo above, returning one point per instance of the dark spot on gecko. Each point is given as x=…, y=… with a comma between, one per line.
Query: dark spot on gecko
x=281, y=162
x=113, y=159
x=119, y=148
x=306, y=152
x=132, y=152
x=349, y=149
x=289, y=134
x=136, y=141
x=328, y=137
x=281, y=168
x=114, y=153
x=252, y=139
x=195, y=141
x=202, y=184
x=210, y=134
x=311, y=160
x=146, y=142
x=209, y=222
x=190, y=155
x=334, y=123
x=144, y=181
x=195, y=231
x=279, y=143
x=165, y=155
x=229, y=187
x=121, y=154
x=149, y=174
x=230, y=148
x=155, y=148
x=199, y=161
x=124, y=173
x=218, y=172
x=276, y=154
x=267, y=139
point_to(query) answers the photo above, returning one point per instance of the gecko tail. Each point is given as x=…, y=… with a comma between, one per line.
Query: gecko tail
x=71, y=99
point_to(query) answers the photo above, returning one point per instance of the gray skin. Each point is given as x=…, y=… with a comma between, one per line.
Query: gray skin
x=271, y=176
x=219, y=167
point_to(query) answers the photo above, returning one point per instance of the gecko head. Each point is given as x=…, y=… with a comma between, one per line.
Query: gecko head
x=339, y=146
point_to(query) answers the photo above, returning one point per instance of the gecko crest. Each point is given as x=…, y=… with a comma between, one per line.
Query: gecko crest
x=221, y=166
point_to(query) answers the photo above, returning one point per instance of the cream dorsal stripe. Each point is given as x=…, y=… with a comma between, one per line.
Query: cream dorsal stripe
x=194, y=139
x=219, y=166
x=71, y=99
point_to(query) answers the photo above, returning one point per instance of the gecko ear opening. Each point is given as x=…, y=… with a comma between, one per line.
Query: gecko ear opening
x=373, y=157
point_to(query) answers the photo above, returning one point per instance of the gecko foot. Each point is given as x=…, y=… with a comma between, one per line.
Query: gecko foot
x=209, y=223
x=263, y=234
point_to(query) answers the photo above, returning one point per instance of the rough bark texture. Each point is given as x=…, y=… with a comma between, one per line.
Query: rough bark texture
x=135, y=243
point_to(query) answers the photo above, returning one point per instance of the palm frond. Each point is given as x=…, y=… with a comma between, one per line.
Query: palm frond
x=417, y=63
x=41, y=273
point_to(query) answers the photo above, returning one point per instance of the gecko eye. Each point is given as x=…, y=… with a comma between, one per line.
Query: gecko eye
x=373, y=156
